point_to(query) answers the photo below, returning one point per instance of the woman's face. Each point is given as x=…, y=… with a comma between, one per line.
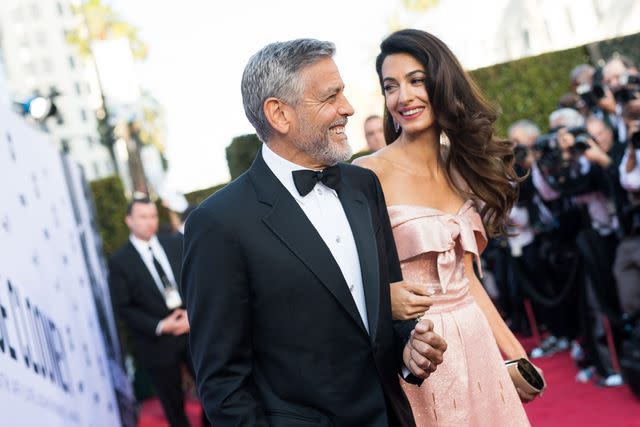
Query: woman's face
x=405, y=92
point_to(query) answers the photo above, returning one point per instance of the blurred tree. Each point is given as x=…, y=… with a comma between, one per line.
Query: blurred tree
x=152, y=124
x=419, y=6
x=111, y=208
x=628, y=46
x=528, y=88
x=196, y=197
x=98, y=21
x=399, y=19
x=241, y=152
x=129, y=132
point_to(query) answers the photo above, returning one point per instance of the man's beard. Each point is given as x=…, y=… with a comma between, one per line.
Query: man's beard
x=316, y=142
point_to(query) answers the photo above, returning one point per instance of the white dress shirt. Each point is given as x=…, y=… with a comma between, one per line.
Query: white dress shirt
x=147, y=257
x=158, y=251
x=630, y=181
x=521, y=228
x=542, y=186
x=323, y=208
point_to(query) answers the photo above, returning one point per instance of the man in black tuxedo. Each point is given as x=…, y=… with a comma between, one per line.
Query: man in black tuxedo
x=144, y=277
x=287, y=269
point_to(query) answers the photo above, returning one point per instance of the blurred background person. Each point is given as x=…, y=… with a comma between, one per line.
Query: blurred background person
x=571, y=179
x=530, y=277
x=144, y=281
x=627, y=264
x=374, y=133
x=615, y=80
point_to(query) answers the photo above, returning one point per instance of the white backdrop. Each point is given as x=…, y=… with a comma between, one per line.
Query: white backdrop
x=54, y=364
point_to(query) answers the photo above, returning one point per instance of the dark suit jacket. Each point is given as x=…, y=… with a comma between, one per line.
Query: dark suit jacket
x=140, y=304
x=276, y=338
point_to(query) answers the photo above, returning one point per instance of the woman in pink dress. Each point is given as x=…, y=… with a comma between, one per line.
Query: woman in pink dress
x=447, y=179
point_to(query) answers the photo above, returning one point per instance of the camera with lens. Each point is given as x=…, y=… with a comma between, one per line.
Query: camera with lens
x=631, y=113
x=590, y=94
x=562, y=172
x=628, y=90
x=549, y=142
x=520, y=153
x=634, y=138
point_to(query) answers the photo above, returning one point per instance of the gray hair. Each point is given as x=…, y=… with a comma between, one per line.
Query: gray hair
x=274, y=72
x=565, y=117
x=527, y=126
x=579, y=71
x=595, y=119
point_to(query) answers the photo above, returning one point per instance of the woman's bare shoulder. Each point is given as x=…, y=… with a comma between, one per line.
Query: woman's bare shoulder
x=377, y=162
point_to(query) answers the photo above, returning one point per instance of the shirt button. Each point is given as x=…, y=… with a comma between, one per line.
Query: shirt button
x=338, y=239
x=319, y=191
x=351, y=287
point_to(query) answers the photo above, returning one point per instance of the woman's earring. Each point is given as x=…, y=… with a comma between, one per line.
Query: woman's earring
x=444, y=139
x=396, y=126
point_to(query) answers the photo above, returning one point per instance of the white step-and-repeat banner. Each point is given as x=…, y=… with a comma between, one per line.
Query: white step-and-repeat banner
x=59, y=354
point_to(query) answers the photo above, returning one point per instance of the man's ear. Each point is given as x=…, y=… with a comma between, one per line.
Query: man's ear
x=278, y=114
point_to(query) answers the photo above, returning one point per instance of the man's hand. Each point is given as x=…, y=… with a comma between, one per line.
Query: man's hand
x=595, y=154
x=607, y=102
x=423, y=353
x=409, y=300
x=176, y=323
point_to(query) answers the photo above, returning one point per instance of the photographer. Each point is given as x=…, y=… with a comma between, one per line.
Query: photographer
x=620, y=81
x=571, y=175
x=582, y=88
x=533, y=245
x=603, y=92
x=606, y=152
x=627, y=265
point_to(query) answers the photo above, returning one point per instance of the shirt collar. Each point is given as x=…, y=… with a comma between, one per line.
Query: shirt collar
x=283, y=170
x=141, y=246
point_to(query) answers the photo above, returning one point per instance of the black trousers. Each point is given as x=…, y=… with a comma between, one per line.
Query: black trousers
x=561, y=319
x=167, y=380
x=598, y=253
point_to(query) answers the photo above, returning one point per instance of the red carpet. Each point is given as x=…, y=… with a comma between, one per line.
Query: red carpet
x=566, y=403
x=151, y=414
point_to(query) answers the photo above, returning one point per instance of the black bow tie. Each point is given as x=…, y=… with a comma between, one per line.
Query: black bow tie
x=306, y=179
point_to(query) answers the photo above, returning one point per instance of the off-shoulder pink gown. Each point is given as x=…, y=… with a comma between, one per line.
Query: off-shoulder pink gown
x=471, y=387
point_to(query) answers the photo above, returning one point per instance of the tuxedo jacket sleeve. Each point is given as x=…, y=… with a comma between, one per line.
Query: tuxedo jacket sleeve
x=142, y=322
x=402, y=329
x=214, y=272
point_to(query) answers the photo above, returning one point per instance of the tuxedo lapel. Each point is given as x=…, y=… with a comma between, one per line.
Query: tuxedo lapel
x=357, y=210
x=174, y=258
x=149, y=283
x=289, y=223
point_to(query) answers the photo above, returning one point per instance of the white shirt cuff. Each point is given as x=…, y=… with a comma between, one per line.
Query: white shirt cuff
x=159, y=328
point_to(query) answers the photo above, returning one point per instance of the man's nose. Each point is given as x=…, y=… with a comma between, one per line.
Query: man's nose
x=346, y=109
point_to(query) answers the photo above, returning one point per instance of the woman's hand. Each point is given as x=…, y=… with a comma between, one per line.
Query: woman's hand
x=527, y=397
x=409, y=300
x=513, y=350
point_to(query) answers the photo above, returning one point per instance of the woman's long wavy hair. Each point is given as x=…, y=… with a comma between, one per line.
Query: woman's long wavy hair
x=466, y=117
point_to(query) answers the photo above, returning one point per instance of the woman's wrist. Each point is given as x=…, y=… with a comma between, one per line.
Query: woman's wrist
x=513, y=351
